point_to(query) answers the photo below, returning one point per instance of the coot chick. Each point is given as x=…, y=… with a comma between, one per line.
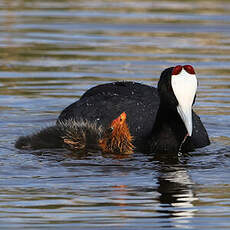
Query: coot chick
x=82, y=136
x=161, y=120
x=118, y=138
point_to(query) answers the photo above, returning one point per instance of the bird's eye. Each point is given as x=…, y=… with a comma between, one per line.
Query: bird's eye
x=120, y=119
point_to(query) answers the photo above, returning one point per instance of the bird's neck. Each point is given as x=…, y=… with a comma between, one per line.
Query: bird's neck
x=168, y=132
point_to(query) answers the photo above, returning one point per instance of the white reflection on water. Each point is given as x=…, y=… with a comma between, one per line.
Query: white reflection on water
x=176, y=195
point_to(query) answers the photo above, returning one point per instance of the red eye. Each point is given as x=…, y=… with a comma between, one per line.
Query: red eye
x=189, y=69
x=176, y=70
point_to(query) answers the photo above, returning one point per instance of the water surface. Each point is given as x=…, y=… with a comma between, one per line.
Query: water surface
x=51, y=52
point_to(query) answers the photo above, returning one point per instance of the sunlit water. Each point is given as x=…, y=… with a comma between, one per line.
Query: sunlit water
x=51, y=52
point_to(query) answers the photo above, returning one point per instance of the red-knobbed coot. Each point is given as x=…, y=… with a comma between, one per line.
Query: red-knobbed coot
x=160, y=120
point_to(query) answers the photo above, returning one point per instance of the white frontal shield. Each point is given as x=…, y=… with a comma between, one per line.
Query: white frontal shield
x=184, y=86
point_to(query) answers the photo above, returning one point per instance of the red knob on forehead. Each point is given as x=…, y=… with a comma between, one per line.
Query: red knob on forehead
x=189, y=69
x=176, y=70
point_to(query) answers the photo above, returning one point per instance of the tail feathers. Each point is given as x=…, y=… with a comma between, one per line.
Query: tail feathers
x=80, y=135
x=74, y=135
x=49, y=137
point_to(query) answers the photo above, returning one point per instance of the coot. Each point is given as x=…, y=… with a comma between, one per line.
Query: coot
x=160, y=120
x=81, y=136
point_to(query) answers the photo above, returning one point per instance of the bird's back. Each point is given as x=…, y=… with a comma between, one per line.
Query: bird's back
x=105, y=102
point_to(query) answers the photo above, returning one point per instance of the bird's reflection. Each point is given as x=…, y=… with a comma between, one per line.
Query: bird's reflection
x=176, y=196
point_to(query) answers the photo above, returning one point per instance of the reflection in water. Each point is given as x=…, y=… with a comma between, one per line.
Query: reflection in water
x=176, y=193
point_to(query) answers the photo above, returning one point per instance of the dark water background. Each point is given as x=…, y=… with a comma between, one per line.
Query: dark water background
x=50, y=53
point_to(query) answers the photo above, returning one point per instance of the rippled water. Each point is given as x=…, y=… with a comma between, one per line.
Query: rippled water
x=50, y=53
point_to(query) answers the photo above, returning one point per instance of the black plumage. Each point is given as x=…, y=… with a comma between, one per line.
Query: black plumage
x=152, y=117
x=75, y=135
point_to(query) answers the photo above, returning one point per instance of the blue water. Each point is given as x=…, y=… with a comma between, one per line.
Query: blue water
x=51, y=52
